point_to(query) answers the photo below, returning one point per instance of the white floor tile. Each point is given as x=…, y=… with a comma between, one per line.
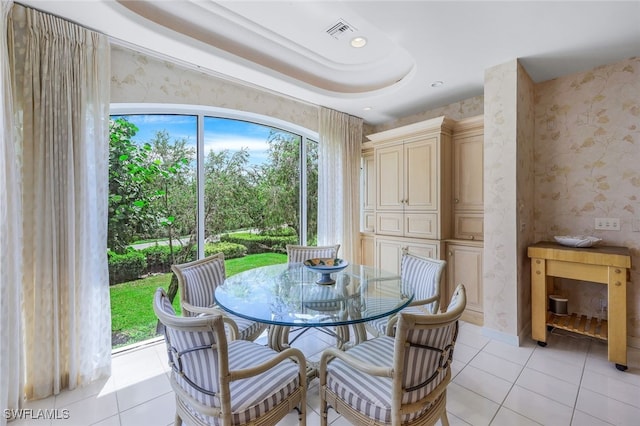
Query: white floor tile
x=611, y=387
x=537, y=407
x=111, y=421
x=469, y=406
x=518, y=354
x=506, y=417
x=543, y=384
x=471, y=335
x=143, y=391
x=464, y=353
x=159, y=411
x=559, y=368
x=607, y=409
x=583, y=419
x=89, y=411
x=483, y=383
x=497, y=366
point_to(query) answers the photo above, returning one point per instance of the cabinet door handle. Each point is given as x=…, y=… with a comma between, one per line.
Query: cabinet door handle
x=456, y=201
x=450, y=253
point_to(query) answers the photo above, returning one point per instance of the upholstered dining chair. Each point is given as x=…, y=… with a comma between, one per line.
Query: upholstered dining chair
x=395, y=381
x=298, y=254
x=224, y=383
x=421, y=276
x=197, y=281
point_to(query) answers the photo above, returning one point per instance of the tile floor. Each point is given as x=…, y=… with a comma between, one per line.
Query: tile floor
x=569, y=382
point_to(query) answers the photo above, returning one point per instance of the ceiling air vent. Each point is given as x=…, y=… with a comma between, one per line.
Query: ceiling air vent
x=340, y=29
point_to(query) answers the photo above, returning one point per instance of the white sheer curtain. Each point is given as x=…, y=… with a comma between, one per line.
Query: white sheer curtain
x=339, y=181
x=62, y=94
x=11, y=241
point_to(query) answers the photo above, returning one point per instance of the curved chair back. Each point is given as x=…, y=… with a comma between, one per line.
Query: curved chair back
x=298, y=254
x=422, y=276
x=424, y=347
x=395, y=381
x=217, y=382
x=198, y=280
x=194, y=348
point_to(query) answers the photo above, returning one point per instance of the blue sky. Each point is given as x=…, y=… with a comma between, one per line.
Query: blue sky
x=219, y=133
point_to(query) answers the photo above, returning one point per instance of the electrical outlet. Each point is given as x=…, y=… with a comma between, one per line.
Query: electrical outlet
x=608, y=223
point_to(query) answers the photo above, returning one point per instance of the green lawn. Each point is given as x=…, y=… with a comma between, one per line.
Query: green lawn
x=132, y=316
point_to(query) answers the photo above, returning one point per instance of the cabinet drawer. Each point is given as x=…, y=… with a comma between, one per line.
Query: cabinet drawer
x=421, y=225
x=389, y=223
x=469, y=226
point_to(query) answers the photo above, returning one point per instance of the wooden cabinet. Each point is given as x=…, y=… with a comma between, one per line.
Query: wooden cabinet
x=428, y=200
x=608, y=265
x=389, y=251
x=367, y=250
x=413, y=196
x=464, y=266
x=468, y=172
x=368, y=193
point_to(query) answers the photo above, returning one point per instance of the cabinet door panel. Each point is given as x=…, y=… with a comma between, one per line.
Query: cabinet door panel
x=421, y=225
x=465, y=267
x=468, y=171
x=368, y=182
x=369, y=221
x=389, y=252
x=389, y=173
x=390, y=223
x=388, y=255
x=367, y=250
x=469, y=226
x=421, y=175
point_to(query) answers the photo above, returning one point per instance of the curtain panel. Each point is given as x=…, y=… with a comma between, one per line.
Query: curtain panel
x=339, y=182
x=11, y=378
x=61, y=90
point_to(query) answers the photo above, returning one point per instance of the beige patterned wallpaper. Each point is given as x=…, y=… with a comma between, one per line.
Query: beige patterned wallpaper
x=587, y=165
x=456, y=111
x=140, y=78
x=500, y=265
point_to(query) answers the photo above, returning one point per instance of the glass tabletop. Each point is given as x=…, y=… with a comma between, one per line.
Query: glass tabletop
x=288, y=295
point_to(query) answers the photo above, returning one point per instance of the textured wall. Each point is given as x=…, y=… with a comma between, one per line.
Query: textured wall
x=587, y=165
x=140, y=78
x=500, y=263
x=456, y=111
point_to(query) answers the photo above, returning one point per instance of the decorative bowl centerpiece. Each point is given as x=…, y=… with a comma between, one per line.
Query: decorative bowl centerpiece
x=325, y=266
x=577, y=240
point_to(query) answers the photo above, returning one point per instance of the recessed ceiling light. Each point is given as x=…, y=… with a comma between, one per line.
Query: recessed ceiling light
x=368, y=108
x=437, y=83
x=358, y=42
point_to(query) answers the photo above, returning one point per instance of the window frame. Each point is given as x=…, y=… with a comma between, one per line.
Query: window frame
x=202, y=111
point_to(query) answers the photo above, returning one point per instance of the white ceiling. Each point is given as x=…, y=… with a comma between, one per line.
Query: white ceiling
x=284, y=46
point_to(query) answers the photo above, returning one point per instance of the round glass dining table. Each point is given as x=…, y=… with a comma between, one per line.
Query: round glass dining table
x=287, y=295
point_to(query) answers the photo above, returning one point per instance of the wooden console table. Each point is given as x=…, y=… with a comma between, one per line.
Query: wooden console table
x=607, y=265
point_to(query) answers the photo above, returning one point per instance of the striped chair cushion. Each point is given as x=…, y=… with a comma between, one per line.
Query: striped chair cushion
x=421, y=276
x=421, y=363
x=380, y=305
x=299, y=256
x=199, y=366
x=370, y=395
x=201, y=281
x=246, y=328
x=252, y=397
x=324, y=299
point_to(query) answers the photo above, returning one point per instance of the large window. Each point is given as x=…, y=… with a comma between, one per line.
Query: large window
x=187, y=175
x=187, y=182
